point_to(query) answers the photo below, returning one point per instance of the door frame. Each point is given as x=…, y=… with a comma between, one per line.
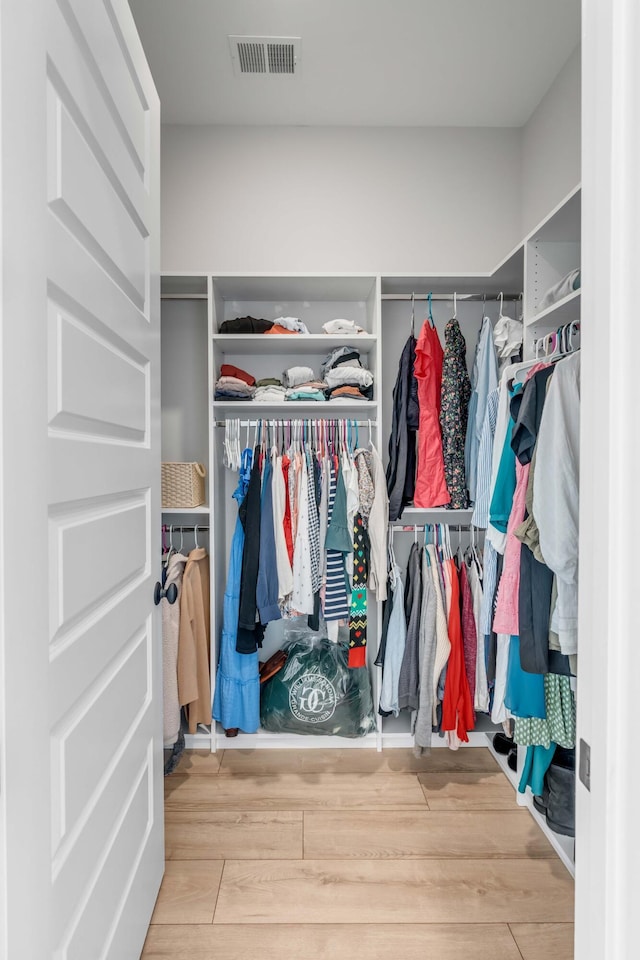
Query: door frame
x=607, y=826
x=25, y=845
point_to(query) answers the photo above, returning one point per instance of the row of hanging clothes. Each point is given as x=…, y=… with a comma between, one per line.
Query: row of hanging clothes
x=432, y=652
x=310, y=540
x=438, y=409
x=183, y=594
x=527, y=501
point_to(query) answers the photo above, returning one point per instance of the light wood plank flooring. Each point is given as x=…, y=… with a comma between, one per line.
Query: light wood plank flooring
x=321, y=853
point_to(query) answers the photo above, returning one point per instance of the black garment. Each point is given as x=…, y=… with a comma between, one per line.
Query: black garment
x=493, y=638
x=536, y=579
x=454, y=413
x=402, y=442
x=250, y=632
x=245, y=325
x=526, y=410
x=409, y=678
x=534, y=612
x=387, y=607
x=313, y=619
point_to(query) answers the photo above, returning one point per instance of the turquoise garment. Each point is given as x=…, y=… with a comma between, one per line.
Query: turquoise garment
x=525, y=692
x=505, y=487
x=306, y=394
x=536, y=763
x=236, y=701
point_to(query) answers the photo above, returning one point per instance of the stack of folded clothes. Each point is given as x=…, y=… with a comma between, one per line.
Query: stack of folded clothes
x=302, y=384
x=270, y=390
x=345, y=377
x=234, y=384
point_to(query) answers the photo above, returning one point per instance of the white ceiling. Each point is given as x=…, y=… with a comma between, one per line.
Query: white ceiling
x=364, y=62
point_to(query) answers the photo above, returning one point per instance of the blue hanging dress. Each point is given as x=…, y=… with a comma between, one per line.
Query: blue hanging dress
x=236, y=701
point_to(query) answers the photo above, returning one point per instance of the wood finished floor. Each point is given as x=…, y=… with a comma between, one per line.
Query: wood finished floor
x=348, y=853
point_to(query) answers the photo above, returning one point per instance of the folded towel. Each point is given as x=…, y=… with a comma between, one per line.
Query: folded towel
x=269, y=382
x=296, y=375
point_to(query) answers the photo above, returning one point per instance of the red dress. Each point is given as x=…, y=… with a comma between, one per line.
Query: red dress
x=457, y=706
x=431, y=488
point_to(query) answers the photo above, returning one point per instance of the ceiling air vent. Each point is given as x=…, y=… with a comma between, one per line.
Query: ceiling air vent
x=265, y=55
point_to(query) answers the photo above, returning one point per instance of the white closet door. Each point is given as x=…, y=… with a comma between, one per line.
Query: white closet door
x=84, y=792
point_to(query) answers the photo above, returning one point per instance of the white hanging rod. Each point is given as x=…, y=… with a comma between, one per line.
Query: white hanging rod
x=278, y=420
x=178, y=528
x=419, y=527
x=479, y=297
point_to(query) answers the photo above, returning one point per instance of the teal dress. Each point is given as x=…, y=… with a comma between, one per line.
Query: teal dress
x=236, y=701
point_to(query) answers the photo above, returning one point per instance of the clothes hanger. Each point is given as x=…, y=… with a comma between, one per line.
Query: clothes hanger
x=430, y=305
x=500, y=298
x=195, y=536
x=455, y=305
x=413, y=314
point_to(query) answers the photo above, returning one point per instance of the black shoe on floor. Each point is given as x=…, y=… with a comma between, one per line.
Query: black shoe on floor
x=502, y=743
x=512, y=759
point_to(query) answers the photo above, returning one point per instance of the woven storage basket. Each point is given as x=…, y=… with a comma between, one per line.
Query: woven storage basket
x=182, y=485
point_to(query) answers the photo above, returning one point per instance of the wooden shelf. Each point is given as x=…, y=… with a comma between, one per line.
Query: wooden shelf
x=563, y=311
x=276, y=344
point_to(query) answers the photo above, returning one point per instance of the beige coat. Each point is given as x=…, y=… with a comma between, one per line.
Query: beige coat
x=194, y=680
x=170, y=634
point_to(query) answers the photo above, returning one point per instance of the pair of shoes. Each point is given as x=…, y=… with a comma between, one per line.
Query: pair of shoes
x=232, y=732
x=272, y=666
x=512, y=758
x=502, y=744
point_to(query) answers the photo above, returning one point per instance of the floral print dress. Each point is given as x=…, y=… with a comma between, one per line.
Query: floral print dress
x=454, y=410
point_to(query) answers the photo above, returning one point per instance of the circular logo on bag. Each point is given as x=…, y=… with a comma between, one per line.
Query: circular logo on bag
x=312, y=698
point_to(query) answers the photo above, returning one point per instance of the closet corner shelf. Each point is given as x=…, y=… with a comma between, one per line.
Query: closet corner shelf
x=563, y=311
x=271, y=345
x=324, y=411
x=202, y=511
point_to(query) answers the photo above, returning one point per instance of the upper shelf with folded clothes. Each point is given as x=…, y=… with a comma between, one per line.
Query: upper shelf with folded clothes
x=295, y=307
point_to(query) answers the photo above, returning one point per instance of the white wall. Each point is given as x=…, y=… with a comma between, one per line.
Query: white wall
x=295, y=199
x=551, y=146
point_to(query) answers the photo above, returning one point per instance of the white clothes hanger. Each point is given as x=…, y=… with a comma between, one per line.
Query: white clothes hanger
x=455, y=305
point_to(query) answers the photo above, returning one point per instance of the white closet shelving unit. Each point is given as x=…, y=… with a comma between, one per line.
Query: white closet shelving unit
x=194, y=306
x=552, y=250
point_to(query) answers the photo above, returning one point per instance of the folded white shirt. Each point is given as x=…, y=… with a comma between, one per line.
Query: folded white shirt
x=346, y=373
x=341, y=326
x=295, y=375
